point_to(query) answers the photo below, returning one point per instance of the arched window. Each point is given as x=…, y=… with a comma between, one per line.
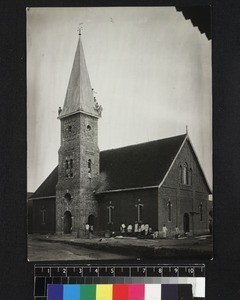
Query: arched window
x=69, y=167
x=201, y=211
x=89, y=168
x=139, y=211
x=43, y=212
x=169, y=205
x=110, y=213
x=66, y=168
x=68, y=197
x=185, y=173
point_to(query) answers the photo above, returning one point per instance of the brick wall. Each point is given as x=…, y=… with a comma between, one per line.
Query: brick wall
x=184, y=198
x=125, y=210
x=49, y=207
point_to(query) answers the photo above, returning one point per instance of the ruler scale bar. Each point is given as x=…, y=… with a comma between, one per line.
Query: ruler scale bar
x=181, y=271
x=108, y=279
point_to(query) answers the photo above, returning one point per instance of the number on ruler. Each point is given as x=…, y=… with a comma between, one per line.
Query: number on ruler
x=64, y=270
x=112, y=270
x=160, y=270
x=176, y=270
x=96, y=271
x=144, y=270
x=80, y=271
x=191, y=270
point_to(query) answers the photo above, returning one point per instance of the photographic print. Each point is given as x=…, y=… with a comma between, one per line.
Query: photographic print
x=119, y=138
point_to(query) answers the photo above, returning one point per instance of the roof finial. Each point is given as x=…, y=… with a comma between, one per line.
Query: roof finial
x=186, y=129
x=80, y=28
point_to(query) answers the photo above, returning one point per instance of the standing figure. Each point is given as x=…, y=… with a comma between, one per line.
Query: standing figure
x=176, y=232
x=164, y=230
x=136, y=228
x=122, y=228
x=142, y=229
x=91, y=231
x=146, y=229
x=87, y=230
x=129, y=228
x=139, y=230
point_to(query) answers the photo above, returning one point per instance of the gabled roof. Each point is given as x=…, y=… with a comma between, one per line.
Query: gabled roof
x=48, y=187
x=140, y=165
x=79, y=96
x=199, y=165
x=133, y=167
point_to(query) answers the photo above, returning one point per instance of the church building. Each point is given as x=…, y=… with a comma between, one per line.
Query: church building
x=159, y=182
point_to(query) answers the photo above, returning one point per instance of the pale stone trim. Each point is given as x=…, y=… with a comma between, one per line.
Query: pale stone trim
x=128, y=189
x=76, y=112
x=37, y=198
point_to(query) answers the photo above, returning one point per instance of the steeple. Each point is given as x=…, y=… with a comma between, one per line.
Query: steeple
x=78, y=155
x=79, y=96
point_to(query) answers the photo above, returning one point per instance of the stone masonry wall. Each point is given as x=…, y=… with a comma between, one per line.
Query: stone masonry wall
x=79, y=143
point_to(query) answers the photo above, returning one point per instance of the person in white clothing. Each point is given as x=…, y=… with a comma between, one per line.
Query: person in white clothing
x=146, y=229
x=136, y=227
x=87, y=230
x=122, y=228
x=164, y=230
x=129, y=228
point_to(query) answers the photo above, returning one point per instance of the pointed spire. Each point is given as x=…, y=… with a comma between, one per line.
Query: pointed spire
x=80, y=28
x=79, y=96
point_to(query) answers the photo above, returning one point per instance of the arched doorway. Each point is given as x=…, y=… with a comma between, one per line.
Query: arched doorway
x=91, y=219
x=186, y=222
x=67, y=222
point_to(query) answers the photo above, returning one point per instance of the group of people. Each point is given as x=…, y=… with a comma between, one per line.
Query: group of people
x=89, y=231
x=166, y=232
x=144, y=230
x=138, y=229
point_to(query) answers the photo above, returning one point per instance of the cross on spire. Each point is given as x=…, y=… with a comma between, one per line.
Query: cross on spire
x=80, y=28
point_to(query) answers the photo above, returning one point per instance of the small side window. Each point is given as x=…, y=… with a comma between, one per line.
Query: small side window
x=89, y=168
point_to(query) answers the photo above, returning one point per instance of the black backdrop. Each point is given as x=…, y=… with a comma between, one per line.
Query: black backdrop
x=223, y=276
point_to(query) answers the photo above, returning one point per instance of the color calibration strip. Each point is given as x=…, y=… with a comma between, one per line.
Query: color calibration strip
x=120, y=292
x=149, y=277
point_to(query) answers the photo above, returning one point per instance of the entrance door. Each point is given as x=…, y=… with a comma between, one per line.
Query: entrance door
x=186, y=222
x=67, y=224
x=91, y=220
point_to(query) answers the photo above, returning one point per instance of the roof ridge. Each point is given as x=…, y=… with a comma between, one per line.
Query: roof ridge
x=142, y=143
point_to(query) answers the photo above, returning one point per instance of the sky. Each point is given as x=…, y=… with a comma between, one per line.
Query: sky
x=150, y=68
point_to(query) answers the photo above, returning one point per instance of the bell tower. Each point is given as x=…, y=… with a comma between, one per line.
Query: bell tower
x=78, y=166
